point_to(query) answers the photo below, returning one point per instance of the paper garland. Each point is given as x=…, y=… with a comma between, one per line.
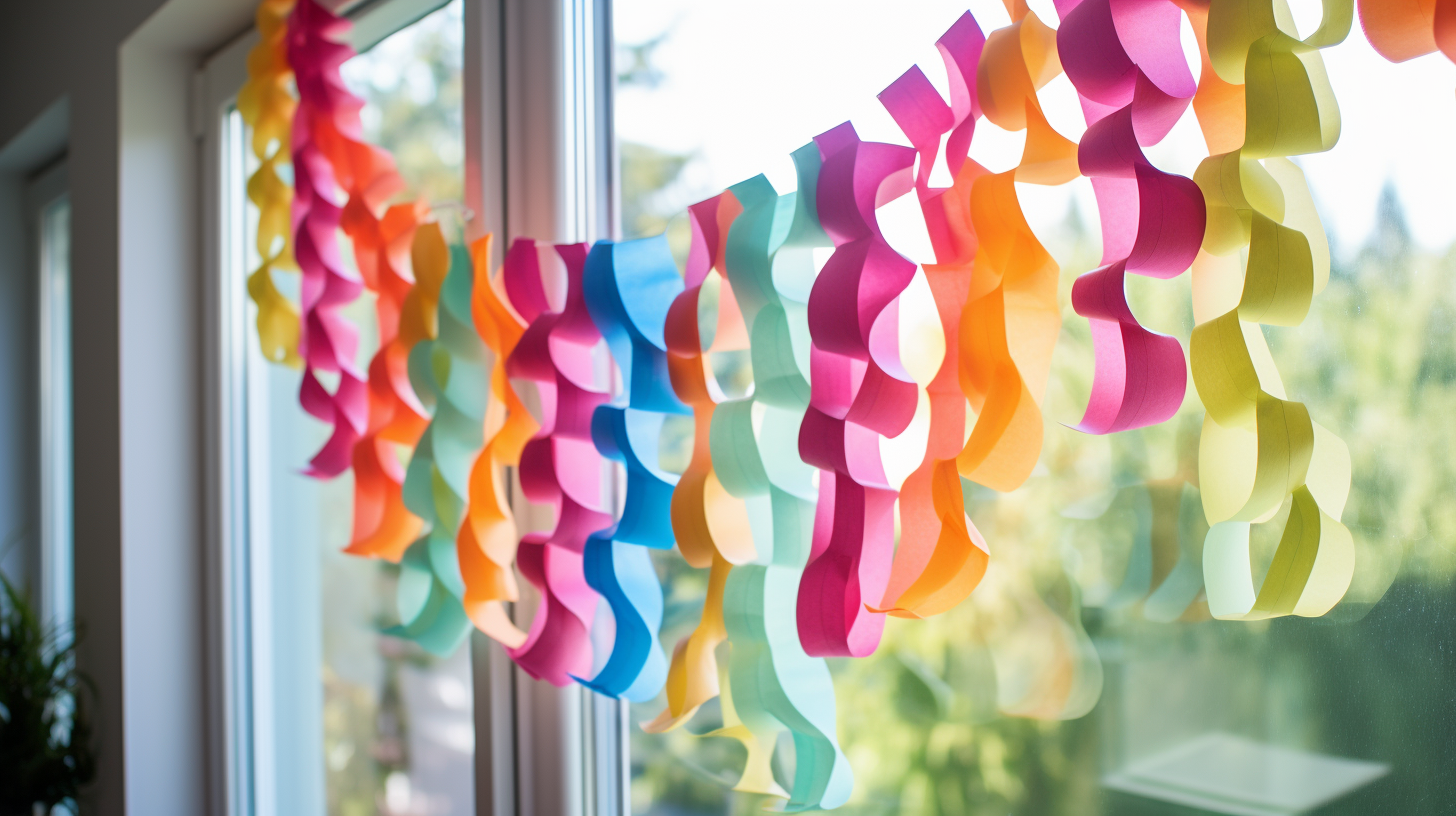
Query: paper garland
x=754, y=442
x=330, y=157
x=560, y=466
x=1258, y=447
x=859, y=391
x=328, y=342
x=406, y=315
x=800, y=569
x=1011, y=320
x=1126, y=62
x=267, y=106
x=711, y=524
x=449, y=374
x=487, y=540
x=629, y=288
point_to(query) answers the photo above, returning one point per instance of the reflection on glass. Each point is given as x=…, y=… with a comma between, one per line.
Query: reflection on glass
x=361, y=724
x=1085, y=675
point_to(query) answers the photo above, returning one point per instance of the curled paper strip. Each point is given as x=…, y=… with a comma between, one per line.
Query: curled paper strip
x=995, y=288
x=707, y=521
x=941, y=557
x=1126, y=62
x=487, y=541
x=329, y=155
x=770, y=266
x=1405, y=29
x=710, y=524
x=383, y=526
x=1011, y=318
x=629, y=288
x=560, y=465
x=449, y=374
x=328, y=341
x=1258, y=447
x=266, y=104
x=859, y=391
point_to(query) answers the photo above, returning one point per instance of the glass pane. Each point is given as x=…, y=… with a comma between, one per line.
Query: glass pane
x=55, y=283
x=349, y=721
x=977, y=711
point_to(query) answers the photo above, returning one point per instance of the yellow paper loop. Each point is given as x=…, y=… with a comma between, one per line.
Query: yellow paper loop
x=267, y=105
x=1258, y=447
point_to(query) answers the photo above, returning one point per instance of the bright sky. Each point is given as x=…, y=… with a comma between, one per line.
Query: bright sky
x=747, y=82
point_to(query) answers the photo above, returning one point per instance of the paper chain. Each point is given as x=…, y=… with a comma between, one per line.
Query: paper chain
x=801, y=569
x=449, y=373
x=560, y=466
x=1259, y=447
x=1126, y=62
x=629, y=288
x=268, y=108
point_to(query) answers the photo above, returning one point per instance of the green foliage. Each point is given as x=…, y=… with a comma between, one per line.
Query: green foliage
x=45, y=752
x=638, y=69
x=413, y=85
x=646, y=173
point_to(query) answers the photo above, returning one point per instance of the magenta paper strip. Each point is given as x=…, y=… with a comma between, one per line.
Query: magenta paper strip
x=560, y=466
x=1126, y=61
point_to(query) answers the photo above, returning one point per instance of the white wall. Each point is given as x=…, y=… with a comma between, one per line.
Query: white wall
x=123, y=70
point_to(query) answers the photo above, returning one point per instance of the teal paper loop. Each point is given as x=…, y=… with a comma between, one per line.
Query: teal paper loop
x=770, y=265
x=451, y=375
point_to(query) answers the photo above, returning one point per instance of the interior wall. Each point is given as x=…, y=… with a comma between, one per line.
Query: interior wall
x=123, y=70
x=160, y=411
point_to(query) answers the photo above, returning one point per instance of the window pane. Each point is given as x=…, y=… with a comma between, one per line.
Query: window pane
x=349, y=721
x=1191, y=715
x=55, y=364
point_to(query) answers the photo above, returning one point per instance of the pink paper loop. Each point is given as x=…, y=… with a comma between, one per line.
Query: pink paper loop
x=560, y=466
x=1125, y=59
x=859, y=390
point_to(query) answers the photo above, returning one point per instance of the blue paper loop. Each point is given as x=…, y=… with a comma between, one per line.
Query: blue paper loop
x=629, y=288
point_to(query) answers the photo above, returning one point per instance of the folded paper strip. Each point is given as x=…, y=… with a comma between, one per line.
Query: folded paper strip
x=449, y=374
x=560, y=466
x=266, y=105
x=629, y=288
x=330, y=160
x=487, y=540
x=754, y=442
x=1258, y=447
x=1126, y=62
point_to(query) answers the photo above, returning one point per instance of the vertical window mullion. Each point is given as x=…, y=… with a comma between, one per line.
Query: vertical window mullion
x=551, y=87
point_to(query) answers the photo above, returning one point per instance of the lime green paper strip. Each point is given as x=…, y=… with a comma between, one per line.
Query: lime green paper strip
x=1259, y=448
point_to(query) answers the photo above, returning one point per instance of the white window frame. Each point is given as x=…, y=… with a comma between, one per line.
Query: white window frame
x=540, y=161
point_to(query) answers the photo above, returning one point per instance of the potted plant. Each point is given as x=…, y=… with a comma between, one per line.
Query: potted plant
x=45, y=751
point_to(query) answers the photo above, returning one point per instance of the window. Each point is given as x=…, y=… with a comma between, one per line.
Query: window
x=35, y=551
x=1137, y=706
x=331, y=715
x=1163, y=710
x=52, y=237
